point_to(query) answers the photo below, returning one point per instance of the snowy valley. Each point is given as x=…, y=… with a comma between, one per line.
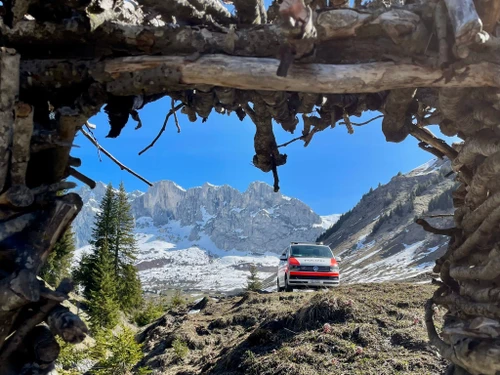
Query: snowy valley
x=205, y=238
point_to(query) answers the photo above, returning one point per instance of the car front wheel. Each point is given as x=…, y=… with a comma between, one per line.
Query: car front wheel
x=288, y=288
x=278, y=288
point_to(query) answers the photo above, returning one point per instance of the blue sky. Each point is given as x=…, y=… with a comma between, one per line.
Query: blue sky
x=330, y=175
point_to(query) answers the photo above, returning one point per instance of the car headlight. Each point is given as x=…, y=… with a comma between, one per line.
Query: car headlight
x=334, y=268
x=294, y=268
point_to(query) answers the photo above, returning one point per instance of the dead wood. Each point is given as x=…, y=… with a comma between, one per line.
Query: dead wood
x=105, y=152
x=473, y=219
x=479, y=237
x=483, y=143
x=339, y=62
x=17, y=338
x=488, y=271
x=464, y=19
x=425, y=135
x=9, y=91
x=484, y=179
x=397, y=114
x=67, y=325
x=260, y=74
x=429, y=228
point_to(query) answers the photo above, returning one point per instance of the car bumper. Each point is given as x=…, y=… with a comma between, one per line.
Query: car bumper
x=313, y=278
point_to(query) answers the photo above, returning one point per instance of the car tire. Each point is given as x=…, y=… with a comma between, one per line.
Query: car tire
x=278, y=288
x=288, y=288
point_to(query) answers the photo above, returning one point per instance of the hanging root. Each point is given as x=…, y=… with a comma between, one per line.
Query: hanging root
x=429, y=228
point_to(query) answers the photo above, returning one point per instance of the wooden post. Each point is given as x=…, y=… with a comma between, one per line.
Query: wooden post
x=9, y=91
x=464, y=20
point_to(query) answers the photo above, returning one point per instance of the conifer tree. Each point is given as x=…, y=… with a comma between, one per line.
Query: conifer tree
x=105, y=221
x=103, y=304
x=254, y=284
x=129, y=288
x=125, y=253
x=103, y=234
x=125, y=247
x=58, y=263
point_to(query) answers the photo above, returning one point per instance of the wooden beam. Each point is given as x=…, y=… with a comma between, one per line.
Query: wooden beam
x=464, y=20
x=248, y=73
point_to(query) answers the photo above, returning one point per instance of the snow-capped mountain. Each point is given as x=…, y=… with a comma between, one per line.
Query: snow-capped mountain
x=206, y=237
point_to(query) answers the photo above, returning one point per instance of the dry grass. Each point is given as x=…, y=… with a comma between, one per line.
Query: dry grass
x=374, y=329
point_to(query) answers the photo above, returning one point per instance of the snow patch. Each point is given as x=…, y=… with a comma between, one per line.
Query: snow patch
x=328, y=221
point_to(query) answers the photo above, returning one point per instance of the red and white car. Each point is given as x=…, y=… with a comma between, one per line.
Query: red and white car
x=310, y=265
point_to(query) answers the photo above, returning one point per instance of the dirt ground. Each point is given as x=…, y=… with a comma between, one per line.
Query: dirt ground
x=353, y=329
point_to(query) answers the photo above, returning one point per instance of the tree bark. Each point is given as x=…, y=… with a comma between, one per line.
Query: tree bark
x=464, y=20
x=260, y=74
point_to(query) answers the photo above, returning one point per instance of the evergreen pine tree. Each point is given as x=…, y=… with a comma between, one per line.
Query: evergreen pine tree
x=129, y=288
x=103, y=234
x=58, y=262
x=105, y=222
x=125, y=252
x=254, y=284
x=124, y=247
x=103, y=305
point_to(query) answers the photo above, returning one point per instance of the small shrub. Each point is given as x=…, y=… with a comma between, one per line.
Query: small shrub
x=254, y=284
x=116, y=354
x=70, y=358
x=177, y=299
x=181, y=349
x=151, y=311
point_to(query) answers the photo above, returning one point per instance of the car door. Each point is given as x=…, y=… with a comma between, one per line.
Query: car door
x=282, y=267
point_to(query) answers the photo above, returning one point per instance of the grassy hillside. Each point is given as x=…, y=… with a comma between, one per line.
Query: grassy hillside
x=353, y=329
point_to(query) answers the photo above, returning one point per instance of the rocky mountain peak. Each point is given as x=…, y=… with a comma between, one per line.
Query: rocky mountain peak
x=223, y=218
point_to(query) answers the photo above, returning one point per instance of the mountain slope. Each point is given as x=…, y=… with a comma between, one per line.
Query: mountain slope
x=359, y=329
x=378, y=239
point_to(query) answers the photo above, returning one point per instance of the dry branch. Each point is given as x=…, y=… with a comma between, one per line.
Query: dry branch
x=441, y=23
x=440, y=231
x=453, y=300
x=105, y=152
x=426, y=136
x=170, y=113
x=81, y=177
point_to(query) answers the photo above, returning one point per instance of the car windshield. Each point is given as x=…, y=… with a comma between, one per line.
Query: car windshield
x=304, y=251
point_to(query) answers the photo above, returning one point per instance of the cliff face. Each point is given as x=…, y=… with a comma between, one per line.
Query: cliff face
x=257, y=220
